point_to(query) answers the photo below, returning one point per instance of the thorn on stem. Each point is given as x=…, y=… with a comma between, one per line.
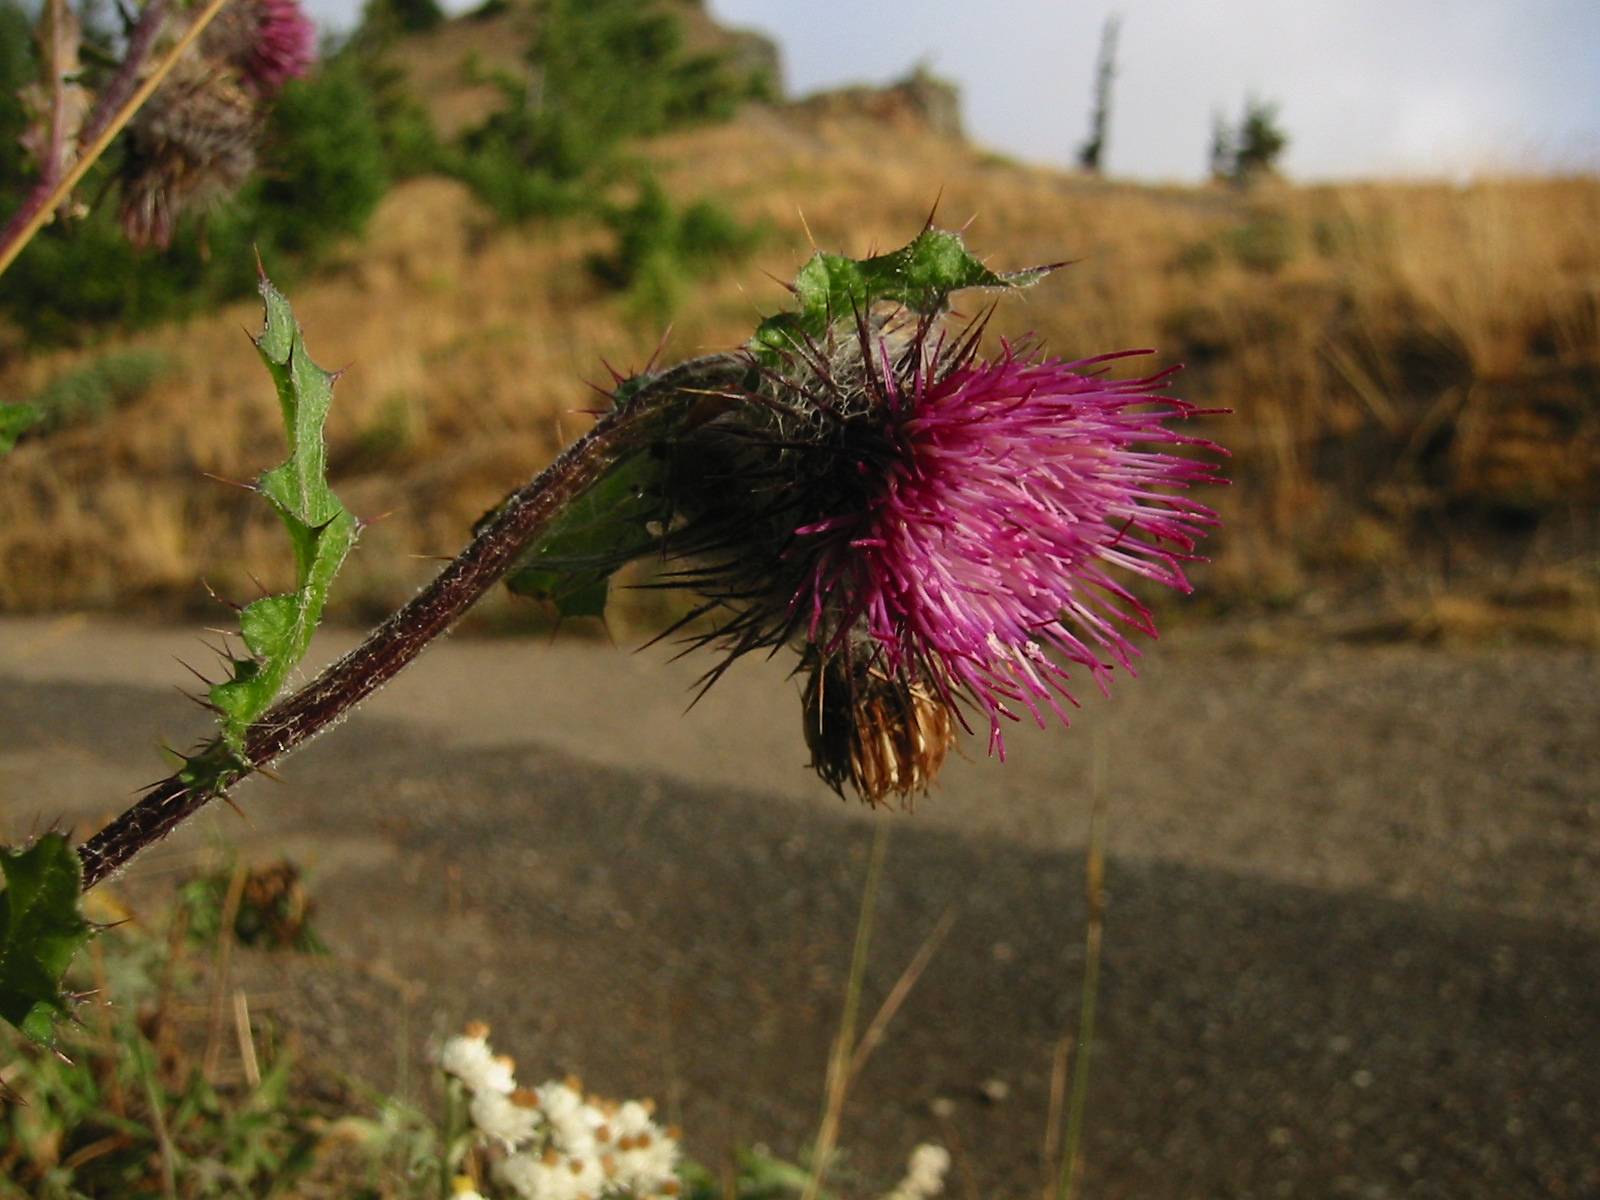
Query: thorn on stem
x=248, y=487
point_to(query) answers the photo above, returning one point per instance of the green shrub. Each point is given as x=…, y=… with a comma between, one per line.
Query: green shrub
x=88, y=392
x=602, y=72
x=1264, y=243
x=328, y=169
x=16, y=71
x=515, y=193
x=387, y=18
x=660, y=247
x=83, y=274
x=1243, y=153
x=411, y=145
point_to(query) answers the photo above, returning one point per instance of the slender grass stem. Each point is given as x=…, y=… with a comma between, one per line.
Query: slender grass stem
x=115, y=110
x=839, y=1074
x=158, y=1122
x=878, y=1027
x=330, y=697
x=1071, y=1181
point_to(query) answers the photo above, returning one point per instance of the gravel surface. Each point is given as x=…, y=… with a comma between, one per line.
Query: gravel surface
x=1352, y=945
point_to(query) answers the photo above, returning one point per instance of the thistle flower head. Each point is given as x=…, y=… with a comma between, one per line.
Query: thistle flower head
x=935, y=531
x=195, y=140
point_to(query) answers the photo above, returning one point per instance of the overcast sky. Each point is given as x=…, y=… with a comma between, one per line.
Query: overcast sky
x=1365, y=87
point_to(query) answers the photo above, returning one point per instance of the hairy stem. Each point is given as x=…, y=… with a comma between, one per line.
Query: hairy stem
x=120, y=86
x=330, y=697
x=50, y=169
x=116, y=108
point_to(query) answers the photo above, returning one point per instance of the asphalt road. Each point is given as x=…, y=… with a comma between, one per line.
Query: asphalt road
x=1352, y=942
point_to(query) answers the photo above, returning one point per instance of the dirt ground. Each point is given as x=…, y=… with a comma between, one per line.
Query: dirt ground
x=1352, y=945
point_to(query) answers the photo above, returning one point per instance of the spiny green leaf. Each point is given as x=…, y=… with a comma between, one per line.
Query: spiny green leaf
x=40, y=931
x=616, y=520
x=277, y=629
x=920, y=276
x=14, y=419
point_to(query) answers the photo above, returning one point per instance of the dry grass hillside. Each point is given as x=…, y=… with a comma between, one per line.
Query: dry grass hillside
x=1413, y=371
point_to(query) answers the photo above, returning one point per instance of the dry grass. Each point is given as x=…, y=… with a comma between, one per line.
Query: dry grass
x=1413, y=371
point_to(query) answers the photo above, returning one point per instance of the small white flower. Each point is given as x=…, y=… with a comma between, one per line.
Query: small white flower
x=502, y=1117
x=632, y=1118
x=925, y=1173
x=644, y=1155
x=531, y=1178
x=551, y=1176
x=573, y=1123
x=470, y=1060
x=587, y=1172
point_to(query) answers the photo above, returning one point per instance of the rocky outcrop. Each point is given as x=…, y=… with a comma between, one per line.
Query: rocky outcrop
x=921, y=100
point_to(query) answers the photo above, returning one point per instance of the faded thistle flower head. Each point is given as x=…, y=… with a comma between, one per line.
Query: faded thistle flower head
x=935, y=531
x=196, y=139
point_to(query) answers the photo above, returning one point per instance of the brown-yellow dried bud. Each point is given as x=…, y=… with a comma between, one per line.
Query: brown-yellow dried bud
x=884, y=735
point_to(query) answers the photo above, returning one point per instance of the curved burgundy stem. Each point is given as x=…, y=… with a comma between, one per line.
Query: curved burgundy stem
x=501, y=540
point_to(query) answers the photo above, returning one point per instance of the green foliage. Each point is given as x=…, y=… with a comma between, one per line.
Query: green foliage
x=1262, y=139
x=757, y=1175
x=660, y=248
x=1264, y=243
x=387, y=18
x=271, y=912
x=92, y=389
x=277, y=629
x=1244, y=153
x=494, y=168
x=132, y=1103
x=409, y=142
x=41, y=930
x=603, y=71
x=85, y=274
x=616, y=520
x=332, y=143
x=920, y=275
x=17, y=70
x=328, y=168
x=613, y=69
x=15, y=420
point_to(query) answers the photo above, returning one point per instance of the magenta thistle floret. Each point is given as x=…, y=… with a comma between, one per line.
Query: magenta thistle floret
x=285, y=45
x=987, y=538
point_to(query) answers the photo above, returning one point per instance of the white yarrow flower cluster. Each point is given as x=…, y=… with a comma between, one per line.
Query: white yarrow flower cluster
x=560, y=1144
x=925, y=1171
